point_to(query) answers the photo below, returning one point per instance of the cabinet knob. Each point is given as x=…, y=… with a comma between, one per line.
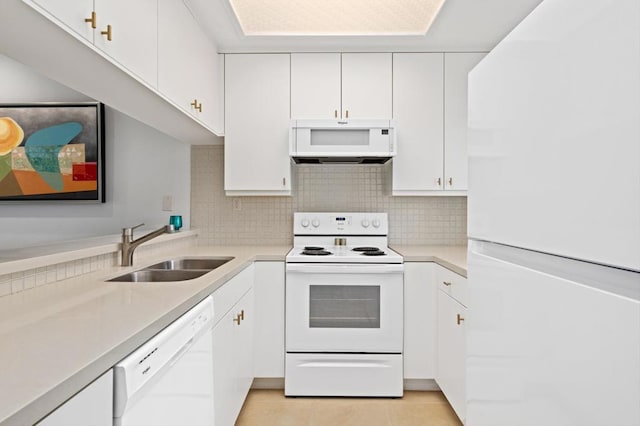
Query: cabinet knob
x=242, y=315
x=92, y=20
x=346, y=114
x=284, y=181
x=237, y=319
x=107, y=33
x=446, y=283
x=450, y=181
x=335, y=113
x=459, y=319
x=439, y=181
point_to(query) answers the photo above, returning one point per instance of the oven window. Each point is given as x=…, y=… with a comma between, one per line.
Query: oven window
x=344, y=306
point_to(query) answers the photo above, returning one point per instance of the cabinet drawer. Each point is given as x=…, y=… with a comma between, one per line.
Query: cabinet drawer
x=452, y=284
x=230, y=293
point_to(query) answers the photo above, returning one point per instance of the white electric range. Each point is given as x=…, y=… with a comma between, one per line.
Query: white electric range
x=344, y=307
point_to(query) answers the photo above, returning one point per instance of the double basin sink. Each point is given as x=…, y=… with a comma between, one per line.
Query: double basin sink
x=174, y=270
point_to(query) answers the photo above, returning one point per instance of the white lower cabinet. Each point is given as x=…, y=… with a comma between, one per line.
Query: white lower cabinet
x=268, y=354
x=419, y=320
x=451, y=342
x=451, y=346
x=233, y=350
x=92, y=406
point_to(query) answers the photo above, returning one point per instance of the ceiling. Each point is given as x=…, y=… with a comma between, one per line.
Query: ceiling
x=461, y=25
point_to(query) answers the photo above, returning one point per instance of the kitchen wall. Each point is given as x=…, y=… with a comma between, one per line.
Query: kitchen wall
x=268, y=220
x=142, y=165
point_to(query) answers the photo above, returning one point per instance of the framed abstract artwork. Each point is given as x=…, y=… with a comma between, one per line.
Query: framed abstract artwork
x=52, y=152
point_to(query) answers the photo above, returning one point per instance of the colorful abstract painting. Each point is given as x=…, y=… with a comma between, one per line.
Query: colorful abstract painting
x=52, y=152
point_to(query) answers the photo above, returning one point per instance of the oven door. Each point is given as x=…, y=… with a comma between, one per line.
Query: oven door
x=346, y=308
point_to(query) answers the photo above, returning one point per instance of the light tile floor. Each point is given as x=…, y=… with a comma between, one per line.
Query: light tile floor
x=272, y=408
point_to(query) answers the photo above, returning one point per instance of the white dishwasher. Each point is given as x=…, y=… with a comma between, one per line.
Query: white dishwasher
x=169, y=379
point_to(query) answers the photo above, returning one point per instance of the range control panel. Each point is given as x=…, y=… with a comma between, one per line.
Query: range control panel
x=340, y=224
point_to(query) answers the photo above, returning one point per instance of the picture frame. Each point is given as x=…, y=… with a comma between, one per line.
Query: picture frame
x=52, y=152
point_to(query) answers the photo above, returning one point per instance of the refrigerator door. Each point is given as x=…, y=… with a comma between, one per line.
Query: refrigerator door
x=554, y=145
x=550, y=349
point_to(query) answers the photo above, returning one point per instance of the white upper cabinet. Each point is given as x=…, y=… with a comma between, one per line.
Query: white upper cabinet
x=132, y=27
x=75, y=14
x=457, y=67
x=347, y=85
x=150, y=40
x=366, y=85
x=256, y=154
x=430, y=109
x=187, y=64
x=418, y=84
x=315, y=85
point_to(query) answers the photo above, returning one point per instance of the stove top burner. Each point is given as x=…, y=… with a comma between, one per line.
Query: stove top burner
x=313, y=248
x=374, y=253
x=316, y=252
x=366, y=249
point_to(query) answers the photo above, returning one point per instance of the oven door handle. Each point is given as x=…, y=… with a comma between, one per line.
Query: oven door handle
x=350, y=268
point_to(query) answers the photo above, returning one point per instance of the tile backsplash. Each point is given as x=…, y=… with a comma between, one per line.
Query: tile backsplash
x=223, y=220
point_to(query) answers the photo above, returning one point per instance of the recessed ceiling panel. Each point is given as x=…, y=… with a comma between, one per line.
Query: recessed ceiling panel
x=335, y=17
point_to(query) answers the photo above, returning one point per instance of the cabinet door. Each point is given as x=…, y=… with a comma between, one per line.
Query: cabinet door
x=177, y=55
x=256, y=152
x=315, y=85
x=451, y=352
x=224, y=370
x=419, y=320
x=456, y=71
x=210, y=77
x=366, y=85
x=92, y=406
x=72, y=13
x=418, y=112
x=233, y=360
x=244, y=348
x=268, y=360
x=134, y=35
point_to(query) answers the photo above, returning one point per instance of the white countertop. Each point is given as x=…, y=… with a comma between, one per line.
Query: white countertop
x=453, y=258
x=56, y=339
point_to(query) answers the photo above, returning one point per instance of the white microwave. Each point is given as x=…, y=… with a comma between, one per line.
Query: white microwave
x=342, y=141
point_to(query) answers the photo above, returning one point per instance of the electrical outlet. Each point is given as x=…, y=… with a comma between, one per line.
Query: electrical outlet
x=237, y=204
x=167, y=203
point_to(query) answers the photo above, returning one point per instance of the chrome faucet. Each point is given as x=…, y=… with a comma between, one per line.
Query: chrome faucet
x=129, y=244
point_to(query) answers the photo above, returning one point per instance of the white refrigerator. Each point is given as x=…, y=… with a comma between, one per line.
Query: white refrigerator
x=553, y=326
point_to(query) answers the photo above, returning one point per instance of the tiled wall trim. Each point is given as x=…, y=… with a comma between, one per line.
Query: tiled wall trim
x=341, y=188
x=36, y=277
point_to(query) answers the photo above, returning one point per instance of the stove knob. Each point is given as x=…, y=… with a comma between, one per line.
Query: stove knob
x=315, y=223
x=365, y=223
x=375, y=223
x=305, y=223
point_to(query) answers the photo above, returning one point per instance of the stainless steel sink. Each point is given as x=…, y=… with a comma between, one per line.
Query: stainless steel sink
x=160, y=275
x=208, y=263
x=182, y=269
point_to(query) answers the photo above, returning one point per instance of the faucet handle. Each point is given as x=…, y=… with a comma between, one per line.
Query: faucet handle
x=129, y=231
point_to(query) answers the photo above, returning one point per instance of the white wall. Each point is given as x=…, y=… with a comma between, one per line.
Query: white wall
x=142, y=165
